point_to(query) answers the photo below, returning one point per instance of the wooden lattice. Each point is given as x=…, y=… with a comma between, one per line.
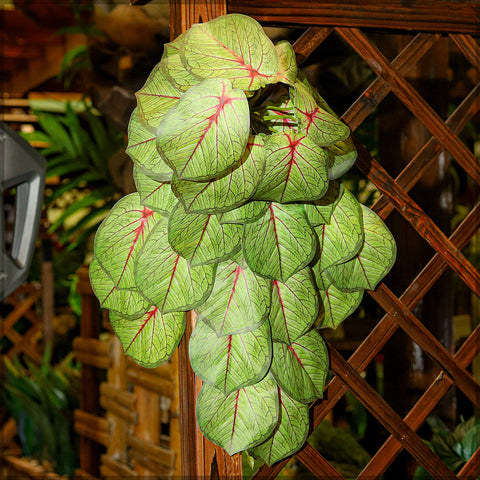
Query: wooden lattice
x=430, y=20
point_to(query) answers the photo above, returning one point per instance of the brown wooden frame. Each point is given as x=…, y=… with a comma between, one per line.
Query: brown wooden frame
x=429, y=19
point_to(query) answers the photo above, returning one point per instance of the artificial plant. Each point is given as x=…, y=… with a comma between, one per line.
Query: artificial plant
x=240, y=216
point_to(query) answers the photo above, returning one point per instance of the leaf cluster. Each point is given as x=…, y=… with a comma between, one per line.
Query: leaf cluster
x=240, y=216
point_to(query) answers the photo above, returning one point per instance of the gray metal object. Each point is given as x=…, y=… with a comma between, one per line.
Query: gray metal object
x=22, y=168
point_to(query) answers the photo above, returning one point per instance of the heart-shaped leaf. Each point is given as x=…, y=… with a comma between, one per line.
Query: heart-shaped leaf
x=205, y=134
x=234, y=47
x=320, y=211
x=239, y=302
x=173, y=68
x=152, y=338
x=230, y=362
x=337, y=305
x=295, y=306
x=167, y=279
x=201, y=239
x=344, y=155
x=373, y=261
x=246, y=213
x=155, y=195
x=319, y=125
x=287, y=63
x=342, y=238
x=289, y=435
x=120, y=237
x=280, y=243
x=240, y=420
x=156, y=98
x=301, y=369
x=128, y=302
x=228, y=191
x=295, y=169
x=142, y=150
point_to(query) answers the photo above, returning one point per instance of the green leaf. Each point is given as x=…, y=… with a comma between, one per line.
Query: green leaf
x=373, y=261
x=128, y=302
x=155, y=195
x=301, y=369
x=337, y=305
x=54, y=129
x=200, y=238
x=287, y=63
x=290, y=433
x=205, y=134
x=230, y=362
x=142, y=150
x=295, y=306
x=240, y=420
x=152, y=338
x=246, y=213
x=173, y=68
x=280, y=243
x=295, y=169
x=320, y=126
x=344, y=156
x=228, y=191
x=342, y=238
x=167, y=279
x=320, y=211
x=156, y=98
x=234, y=47
x=279, y=116
x=239, y=302
x=120, y=237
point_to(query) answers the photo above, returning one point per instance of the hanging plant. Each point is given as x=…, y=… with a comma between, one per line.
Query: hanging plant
x=239, y=216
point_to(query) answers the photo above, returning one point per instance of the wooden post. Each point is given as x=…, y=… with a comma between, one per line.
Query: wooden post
x=199, y=457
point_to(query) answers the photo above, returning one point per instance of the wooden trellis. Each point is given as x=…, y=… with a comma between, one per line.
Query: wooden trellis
x=430, y=20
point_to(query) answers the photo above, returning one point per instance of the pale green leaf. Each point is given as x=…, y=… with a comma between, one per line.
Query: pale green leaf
x=152, y=338
x=301, y=369
x=295, y=306
x=246, y=213
x=200, y=238
x=230, y=362
x=173, y=68
x=234, y=47
x=342, y=238
x=373, y=261
x=155, y=195
x=344, y=155
x=120, y=237
x=228, y=191
x=167, y=279
x=337, y=305
x=320, y=211
x=128, y=302
x=295, y=169
x=239, y=302
x=240, y=420
x=320, y=126
x=278, y=116
x=289, y=435
x=287, y=63
x=156, y=98
x=205, y=134
x=142, y=150
x=280, y=243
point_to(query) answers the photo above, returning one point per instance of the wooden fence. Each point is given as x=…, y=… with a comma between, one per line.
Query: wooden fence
x=427, y=21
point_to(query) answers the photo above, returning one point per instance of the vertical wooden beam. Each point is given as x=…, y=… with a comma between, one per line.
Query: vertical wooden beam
x=199, y=457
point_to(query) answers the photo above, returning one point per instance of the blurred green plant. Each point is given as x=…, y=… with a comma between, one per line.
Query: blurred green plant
x=42, y=399
x=453, y=448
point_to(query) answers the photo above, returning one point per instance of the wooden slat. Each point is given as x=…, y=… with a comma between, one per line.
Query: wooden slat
x=309, y=41
x=418, y=219
x=126, y=414
x=469, y=47
x=160, y=455
x=92, y=427
x=150, y=382
x=116, y=468
x=122, y=397
x=317, y=463
x=471, y=470
x=412, y=100
x=380, y=409
x=420, y=15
